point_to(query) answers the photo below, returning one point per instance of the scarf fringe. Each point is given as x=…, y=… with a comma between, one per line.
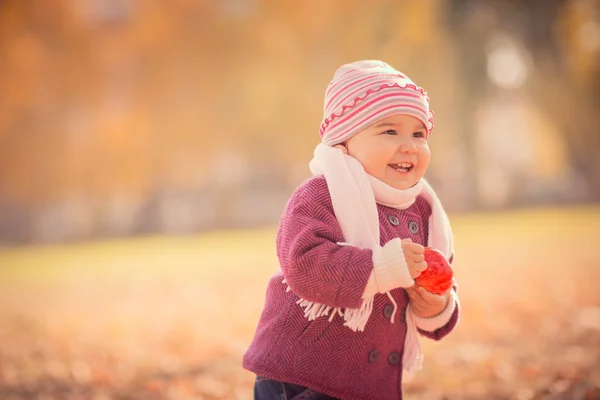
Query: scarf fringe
x=354, y=318
x=412, y=360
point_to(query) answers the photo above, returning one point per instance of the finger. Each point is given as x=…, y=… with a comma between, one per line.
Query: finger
x=414, y=273
x=420, y=266
x=426, y=295
x=405, y=246
x=417, y=257
x=416, y=248
x=440, y=302
x=430, y=298
x=415, y=269
x=411, y=290
x=414, y=295
x=416, y=290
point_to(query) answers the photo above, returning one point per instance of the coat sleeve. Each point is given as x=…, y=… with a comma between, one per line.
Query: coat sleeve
x=316, y=268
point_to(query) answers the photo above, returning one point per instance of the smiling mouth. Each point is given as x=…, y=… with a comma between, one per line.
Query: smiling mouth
x=402, y=167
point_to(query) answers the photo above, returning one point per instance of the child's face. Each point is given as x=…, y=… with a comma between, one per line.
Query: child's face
x=393, y=150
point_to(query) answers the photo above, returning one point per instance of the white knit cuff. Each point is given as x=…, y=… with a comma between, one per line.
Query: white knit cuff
x=390, y=270
x=433, y=323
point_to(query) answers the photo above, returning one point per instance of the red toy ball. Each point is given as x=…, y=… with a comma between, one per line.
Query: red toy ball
x=437, y=278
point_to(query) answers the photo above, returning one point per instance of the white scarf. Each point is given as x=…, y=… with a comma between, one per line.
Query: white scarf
x=354, y=194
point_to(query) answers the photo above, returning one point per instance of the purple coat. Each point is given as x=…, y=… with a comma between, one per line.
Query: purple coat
x=327, y=356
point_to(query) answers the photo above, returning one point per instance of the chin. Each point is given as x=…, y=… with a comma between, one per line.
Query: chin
x=403, y=185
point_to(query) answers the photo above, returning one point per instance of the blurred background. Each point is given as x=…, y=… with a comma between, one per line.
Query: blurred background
x=147, y=149
x=127, y=117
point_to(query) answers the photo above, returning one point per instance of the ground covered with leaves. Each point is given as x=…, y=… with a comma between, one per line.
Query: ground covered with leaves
x=170, y=318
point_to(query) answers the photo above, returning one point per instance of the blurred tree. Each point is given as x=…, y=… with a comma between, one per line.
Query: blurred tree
x=566, y=78
x=469, y=24
x=125, y=116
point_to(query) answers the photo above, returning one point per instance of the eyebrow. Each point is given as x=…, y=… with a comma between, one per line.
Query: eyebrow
x=382, y=124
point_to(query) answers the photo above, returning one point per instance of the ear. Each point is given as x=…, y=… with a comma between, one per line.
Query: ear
x=342, y=147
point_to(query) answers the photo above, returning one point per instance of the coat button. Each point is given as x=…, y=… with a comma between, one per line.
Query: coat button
x=388, y=310
x=393, y=220
x=413, y=226
x=373, y=355
x=394, y=358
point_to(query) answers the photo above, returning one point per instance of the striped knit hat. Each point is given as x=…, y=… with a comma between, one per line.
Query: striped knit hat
x=364, y=92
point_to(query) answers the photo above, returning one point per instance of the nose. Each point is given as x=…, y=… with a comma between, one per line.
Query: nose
x=407, y=146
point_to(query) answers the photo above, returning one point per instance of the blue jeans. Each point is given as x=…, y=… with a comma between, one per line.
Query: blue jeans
x=269, y=389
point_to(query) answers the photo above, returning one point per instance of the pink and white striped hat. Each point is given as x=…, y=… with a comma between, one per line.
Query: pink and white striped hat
x=364, y=92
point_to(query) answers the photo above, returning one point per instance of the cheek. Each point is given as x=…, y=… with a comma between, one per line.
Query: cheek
x=381, y=157
x=372, y=163
x=423, y=161
x=374, y=158
x=364, y=157
x=424, y=154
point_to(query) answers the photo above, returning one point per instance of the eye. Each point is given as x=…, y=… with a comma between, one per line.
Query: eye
x=390, y=132
x=419, y=134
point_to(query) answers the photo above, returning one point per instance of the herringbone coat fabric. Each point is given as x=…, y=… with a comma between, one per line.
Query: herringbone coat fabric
x=322, y=355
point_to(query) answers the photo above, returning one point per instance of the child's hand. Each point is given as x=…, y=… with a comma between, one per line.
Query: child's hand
x=424, y=304
x=415, y=258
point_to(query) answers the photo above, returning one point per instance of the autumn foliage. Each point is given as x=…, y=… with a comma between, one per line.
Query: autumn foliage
x=169, y=318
